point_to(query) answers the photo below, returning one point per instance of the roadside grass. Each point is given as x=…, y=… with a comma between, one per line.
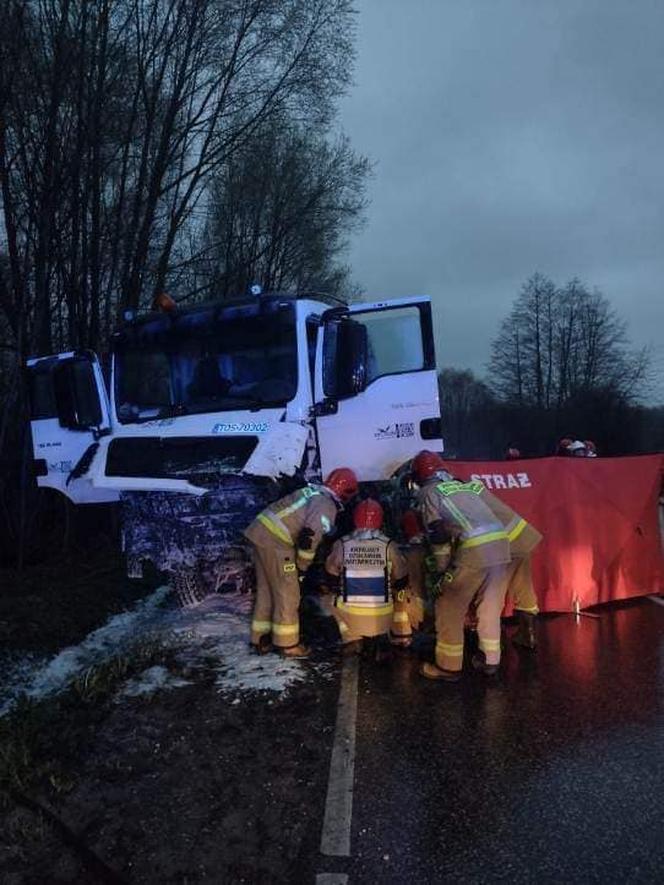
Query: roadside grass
x=42, y=746
x=41, y=741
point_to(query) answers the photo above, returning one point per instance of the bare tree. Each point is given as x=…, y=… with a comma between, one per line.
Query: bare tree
x=557, y=344
x=281, y=212
x=116, y=116
x=118, y=120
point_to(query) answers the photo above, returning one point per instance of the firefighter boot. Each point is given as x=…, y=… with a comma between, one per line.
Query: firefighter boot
x=478, y=661
x=431, y=671
x=295, y=651
x=525, y=635
x=263, y=646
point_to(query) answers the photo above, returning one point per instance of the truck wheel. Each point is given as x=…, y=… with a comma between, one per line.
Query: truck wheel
x=188, y=586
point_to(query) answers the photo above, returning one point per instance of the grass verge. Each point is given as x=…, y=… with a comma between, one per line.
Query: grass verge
x=41, y=740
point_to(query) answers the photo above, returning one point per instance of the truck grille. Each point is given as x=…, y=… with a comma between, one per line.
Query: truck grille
x=200, y=460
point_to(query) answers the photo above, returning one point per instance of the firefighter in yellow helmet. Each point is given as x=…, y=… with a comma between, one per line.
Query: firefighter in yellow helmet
x=472, y=553
x=368, y=568
x=523, y=538
x=284, y=538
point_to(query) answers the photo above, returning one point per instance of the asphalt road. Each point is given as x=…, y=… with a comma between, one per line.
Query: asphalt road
x=553, y=772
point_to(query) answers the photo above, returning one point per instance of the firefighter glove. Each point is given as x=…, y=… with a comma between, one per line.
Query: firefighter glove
x=305, y=540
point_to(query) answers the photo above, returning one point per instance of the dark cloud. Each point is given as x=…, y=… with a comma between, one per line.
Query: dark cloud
x=511, y=136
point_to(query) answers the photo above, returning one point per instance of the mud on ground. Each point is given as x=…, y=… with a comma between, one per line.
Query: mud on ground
x=187, y=786
x=192, y=784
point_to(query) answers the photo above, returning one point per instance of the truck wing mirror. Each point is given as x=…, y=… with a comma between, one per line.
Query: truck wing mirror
x=76, y=395
x=348, y=369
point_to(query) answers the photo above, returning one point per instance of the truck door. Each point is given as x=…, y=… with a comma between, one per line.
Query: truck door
x=69, y=414
x=376, y=387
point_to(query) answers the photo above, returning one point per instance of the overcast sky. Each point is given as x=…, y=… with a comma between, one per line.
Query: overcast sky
x=511, y=136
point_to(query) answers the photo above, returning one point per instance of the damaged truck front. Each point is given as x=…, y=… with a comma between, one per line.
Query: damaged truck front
x=206, y=413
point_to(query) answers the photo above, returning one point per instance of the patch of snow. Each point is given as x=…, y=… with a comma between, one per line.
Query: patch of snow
x=40, y=678
x=212, y=634
x=153, y=679
x=218, y=628
x=17, y=672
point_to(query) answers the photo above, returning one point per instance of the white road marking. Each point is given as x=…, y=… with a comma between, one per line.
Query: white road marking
x=331, y=879
x=657, y=599
x=335, y=839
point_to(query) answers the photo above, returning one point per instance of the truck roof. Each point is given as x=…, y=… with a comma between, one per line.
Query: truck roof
x=269, y=300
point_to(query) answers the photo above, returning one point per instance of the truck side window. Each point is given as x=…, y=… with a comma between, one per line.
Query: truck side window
x=42, y=395
x=144, y=384
x=395, y=341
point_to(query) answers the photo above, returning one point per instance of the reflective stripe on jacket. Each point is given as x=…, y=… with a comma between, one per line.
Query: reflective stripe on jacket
x=310, y=508
x=523, y=536
x=480, y=537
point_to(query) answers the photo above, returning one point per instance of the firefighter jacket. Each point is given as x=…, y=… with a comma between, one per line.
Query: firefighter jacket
x=370, y=567
x=299, y=521
x=454, y=511
x=523, y=537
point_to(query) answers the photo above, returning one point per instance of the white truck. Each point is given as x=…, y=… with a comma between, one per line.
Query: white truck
x=203, y=413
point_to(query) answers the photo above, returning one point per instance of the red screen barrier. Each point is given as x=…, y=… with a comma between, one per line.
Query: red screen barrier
x=599, y=518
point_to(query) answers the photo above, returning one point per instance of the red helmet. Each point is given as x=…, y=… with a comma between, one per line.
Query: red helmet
x=411, y=525
x=368, y=515
x=342, y=482
x=426, y=464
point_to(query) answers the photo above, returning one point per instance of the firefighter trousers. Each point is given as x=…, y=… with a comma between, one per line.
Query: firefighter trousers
x=357, y=623
x=487, y=586
x=401, y=628
x=520, y=585
x=276, y=609
x=409, y=604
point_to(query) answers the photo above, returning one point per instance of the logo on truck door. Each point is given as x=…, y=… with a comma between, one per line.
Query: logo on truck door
x=395, y=431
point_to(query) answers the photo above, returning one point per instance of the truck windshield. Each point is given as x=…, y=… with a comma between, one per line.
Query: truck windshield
x=207, y=361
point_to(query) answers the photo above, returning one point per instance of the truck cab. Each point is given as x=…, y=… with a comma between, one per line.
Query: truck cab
x=273, y=386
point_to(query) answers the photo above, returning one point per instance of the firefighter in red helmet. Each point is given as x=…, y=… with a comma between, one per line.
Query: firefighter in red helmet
x=367, y=569
x=472, y=553
x=284, y=538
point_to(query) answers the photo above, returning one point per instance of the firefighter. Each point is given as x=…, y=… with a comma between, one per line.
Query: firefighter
x=523, y=538
x=472, y=553
x=367, y=568
x=284, y=538
x=577, y=449
x=409, y=605
x=591, y=448
x=563, y=447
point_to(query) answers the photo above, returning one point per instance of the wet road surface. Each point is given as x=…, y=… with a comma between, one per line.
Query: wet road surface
x=553, y=772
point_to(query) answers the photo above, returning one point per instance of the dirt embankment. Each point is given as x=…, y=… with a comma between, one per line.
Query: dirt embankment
x=190, y=786
x=200, y=783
